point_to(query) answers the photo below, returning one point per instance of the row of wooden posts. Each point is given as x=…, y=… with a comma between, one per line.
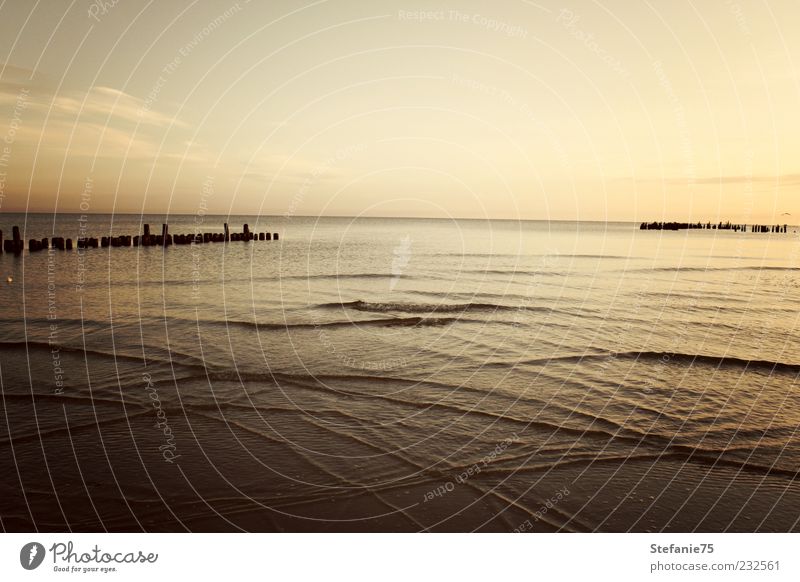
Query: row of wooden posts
x=776, y=228
x=146, y=239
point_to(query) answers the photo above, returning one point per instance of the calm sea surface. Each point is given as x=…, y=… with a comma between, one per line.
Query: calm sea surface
x=401, y=374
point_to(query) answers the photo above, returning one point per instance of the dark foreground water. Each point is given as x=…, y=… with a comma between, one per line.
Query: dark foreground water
x=401, y=374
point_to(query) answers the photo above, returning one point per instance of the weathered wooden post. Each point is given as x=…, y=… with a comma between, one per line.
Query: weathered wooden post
x=227, y=233
x=275, y=236
x=69, y=244
x=16, y=242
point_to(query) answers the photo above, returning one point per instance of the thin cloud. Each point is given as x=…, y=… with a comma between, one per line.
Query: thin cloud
x=96, y=122
x=778, y=180
x=114, y=105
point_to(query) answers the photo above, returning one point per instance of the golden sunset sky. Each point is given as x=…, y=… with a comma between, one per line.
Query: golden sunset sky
x=577, y=110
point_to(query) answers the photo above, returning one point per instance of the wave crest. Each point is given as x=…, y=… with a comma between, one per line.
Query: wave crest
x=399, y=307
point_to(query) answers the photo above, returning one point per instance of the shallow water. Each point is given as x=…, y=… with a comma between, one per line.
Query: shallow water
x=401, y=374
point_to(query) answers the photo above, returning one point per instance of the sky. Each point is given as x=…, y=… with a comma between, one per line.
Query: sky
x=568, y=110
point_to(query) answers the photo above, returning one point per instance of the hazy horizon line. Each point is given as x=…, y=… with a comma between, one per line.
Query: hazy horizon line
x=289, y=217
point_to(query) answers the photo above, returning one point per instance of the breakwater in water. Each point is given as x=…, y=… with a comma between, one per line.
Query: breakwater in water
x=16, y=244
x=759, y=228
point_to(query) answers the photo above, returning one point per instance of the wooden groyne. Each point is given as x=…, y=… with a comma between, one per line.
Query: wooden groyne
x=758, y=228
x=15, y=245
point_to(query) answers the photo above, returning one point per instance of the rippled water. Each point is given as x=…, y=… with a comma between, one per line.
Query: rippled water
x=403, y=374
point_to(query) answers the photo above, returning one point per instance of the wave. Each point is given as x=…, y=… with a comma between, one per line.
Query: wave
x=512, y=271
x=152, y=358
x=621, y=257
x=85, y=323
x=716, y=361
x=681, y=454
x=650, y=357
x=335, y=276
x=705, y=269
x=706, y=296
x=383, y=307
x=672, y=357
x=53, y=347
x=384, y=322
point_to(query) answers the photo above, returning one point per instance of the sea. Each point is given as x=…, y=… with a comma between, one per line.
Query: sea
x=400, y=374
